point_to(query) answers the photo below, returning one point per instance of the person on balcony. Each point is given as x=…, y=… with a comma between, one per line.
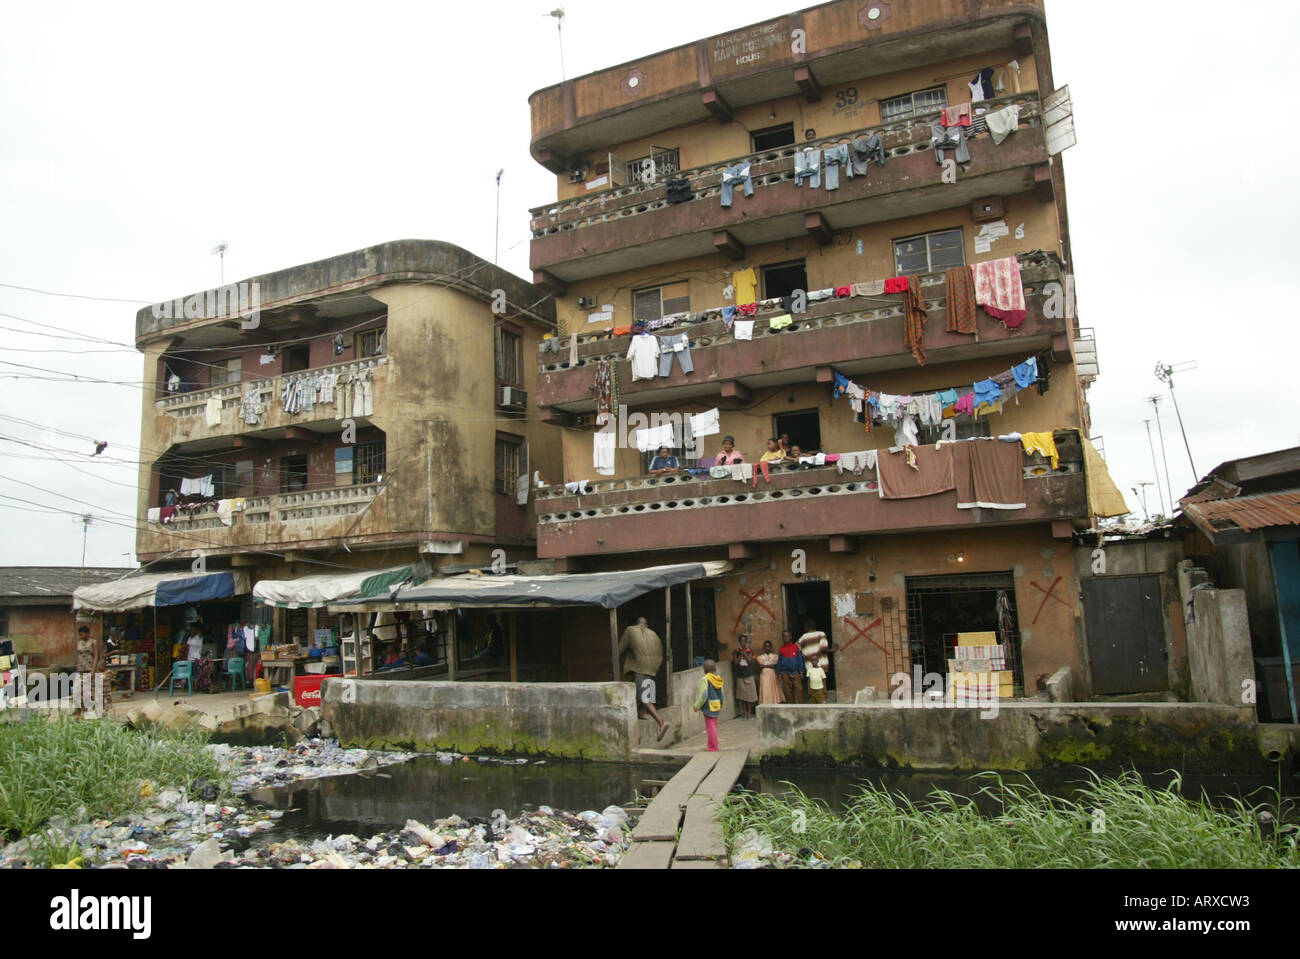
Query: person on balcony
x=664, y=462
x=774, y=454
x=730, y=456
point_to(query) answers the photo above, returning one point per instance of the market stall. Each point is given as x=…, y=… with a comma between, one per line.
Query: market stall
x=145, y=644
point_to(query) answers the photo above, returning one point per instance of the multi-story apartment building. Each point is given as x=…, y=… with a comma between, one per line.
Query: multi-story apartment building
x=647, y=226
x=364, y=411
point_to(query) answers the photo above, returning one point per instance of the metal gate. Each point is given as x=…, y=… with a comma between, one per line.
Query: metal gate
x=1124, y=621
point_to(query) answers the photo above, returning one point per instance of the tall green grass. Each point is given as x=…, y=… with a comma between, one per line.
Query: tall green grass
x=56, y=767
x=1110, y=823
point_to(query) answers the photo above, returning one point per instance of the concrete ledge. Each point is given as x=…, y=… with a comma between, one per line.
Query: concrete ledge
x=1193, y=737
x=563, y=720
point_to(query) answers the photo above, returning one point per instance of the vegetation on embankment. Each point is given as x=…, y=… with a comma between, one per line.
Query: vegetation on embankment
x=58, y=766
x=1118, y=823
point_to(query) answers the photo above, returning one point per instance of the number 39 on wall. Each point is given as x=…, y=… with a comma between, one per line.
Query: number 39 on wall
x=846, y=97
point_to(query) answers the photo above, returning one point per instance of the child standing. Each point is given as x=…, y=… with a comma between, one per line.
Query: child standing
x=710, y=700
x=816, y=682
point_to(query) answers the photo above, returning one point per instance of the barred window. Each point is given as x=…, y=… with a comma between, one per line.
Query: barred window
x=509, y=463
x=929, y=253
x=509, y=353
x=657, y=301
x=913, y=104
x=369, y=462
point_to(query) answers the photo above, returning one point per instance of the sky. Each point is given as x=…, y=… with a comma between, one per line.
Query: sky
x=136, y=137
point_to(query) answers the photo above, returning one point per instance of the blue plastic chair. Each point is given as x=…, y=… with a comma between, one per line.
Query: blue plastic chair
x=183, y=671
x=235, y=672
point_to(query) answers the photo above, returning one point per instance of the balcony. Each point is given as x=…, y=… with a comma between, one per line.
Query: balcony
x=712, y=77
x=181, y=417
x=302, y=520
x=635, y=226
x=681, y=512
x=856, y=336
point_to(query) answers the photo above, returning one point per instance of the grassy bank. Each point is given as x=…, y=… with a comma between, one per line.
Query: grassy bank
x=56, y=767
x=1112, y=823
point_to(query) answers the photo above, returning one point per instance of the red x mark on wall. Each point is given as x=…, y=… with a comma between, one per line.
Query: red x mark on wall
x=862, y=632
x=1048, y=594
x=752, y=599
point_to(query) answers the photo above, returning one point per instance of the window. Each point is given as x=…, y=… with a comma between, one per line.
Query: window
x=343, y=461
x=234, y=371
x=510, y=460
x=804, y=427
x=913, y=104
x=369, y=462
x=296, y=358
x=371, y=343
x=657, y=301
x=660, y=163
x=293, y=474
x=509, y=357
x=784, y=279
x=4, y=622
x=929, y=253
x=772, y=138
x=966, y=429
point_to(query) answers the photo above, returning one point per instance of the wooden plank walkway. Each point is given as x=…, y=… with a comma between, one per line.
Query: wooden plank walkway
x=695, y=793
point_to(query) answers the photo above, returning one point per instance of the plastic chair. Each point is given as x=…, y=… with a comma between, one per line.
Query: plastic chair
x=185, y=671
x=235, y=671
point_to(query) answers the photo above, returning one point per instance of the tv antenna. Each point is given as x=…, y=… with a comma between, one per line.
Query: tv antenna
x=1140, y=491
x=496, y=248
x=558, y=14
x=1155, y=468
x=220, y=250
x=1165, y=374
x=85, y=519
x=1160, y=428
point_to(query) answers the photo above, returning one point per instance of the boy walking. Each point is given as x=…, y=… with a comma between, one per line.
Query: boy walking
x=710, y=700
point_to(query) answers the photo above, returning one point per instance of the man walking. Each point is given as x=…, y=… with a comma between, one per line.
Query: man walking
x=641, y=653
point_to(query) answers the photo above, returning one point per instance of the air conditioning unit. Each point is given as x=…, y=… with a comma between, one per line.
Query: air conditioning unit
x=513, y=398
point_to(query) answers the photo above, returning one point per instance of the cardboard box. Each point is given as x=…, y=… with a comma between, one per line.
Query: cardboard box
x=988, y=638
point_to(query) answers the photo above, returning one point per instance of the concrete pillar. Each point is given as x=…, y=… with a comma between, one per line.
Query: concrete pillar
x=514, y=647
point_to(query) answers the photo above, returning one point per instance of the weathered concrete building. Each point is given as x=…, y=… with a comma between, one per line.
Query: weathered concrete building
x=36, y=610
x=646, y=227
x=365, y=411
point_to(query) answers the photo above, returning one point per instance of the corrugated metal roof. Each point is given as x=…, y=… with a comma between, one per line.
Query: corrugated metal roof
x=1249, y=512
x=56, y=582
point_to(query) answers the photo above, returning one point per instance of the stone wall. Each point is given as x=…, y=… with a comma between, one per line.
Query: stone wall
x=563, y=720
x=1218, y=638
x=1151, y=737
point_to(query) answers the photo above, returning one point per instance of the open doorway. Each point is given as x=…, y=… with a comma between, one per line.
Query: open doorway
x=803, y=426
x=939, y=608
x=810, y=601
x=784, y=278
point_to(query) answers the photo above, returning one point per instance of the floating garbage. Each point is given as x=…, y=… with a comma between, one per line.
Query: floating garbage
x=194, y=827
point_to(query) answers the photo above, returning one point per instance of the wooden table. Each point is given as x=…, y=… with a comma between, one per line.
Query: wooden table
x=129, y=692
x=282, y=666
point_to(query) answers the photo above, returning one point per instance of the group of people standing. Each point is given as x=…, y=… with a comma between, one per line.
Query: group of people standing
x=780, y=676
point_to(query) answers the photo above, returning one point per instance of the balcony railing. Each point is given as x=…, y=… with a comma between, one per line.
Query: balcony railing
x=280, y=508
x=269, y=389
x=674, y=511
x=873, y=330
x=901, y=138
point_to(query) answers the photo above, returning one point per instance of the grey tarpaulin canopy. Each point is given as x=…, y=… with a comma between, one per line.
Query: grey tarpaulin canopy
x=160, y=589
x=606, y=590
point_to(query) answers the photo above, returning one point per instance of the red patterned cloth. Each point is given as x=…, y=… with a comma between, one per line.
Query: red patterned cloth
x=748, y=309
x=843, y=291
x=896, y=284
x=914, y=317
x=961, y=300
x=998, y=289
x=957, y=115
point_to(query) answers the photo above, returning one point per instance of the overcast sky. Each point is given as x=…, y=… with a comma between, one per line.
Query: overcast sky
x=135, y=137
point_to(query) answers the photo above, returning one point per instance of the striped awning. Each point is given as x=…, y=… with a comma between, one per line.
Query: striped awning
x=322, y=589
